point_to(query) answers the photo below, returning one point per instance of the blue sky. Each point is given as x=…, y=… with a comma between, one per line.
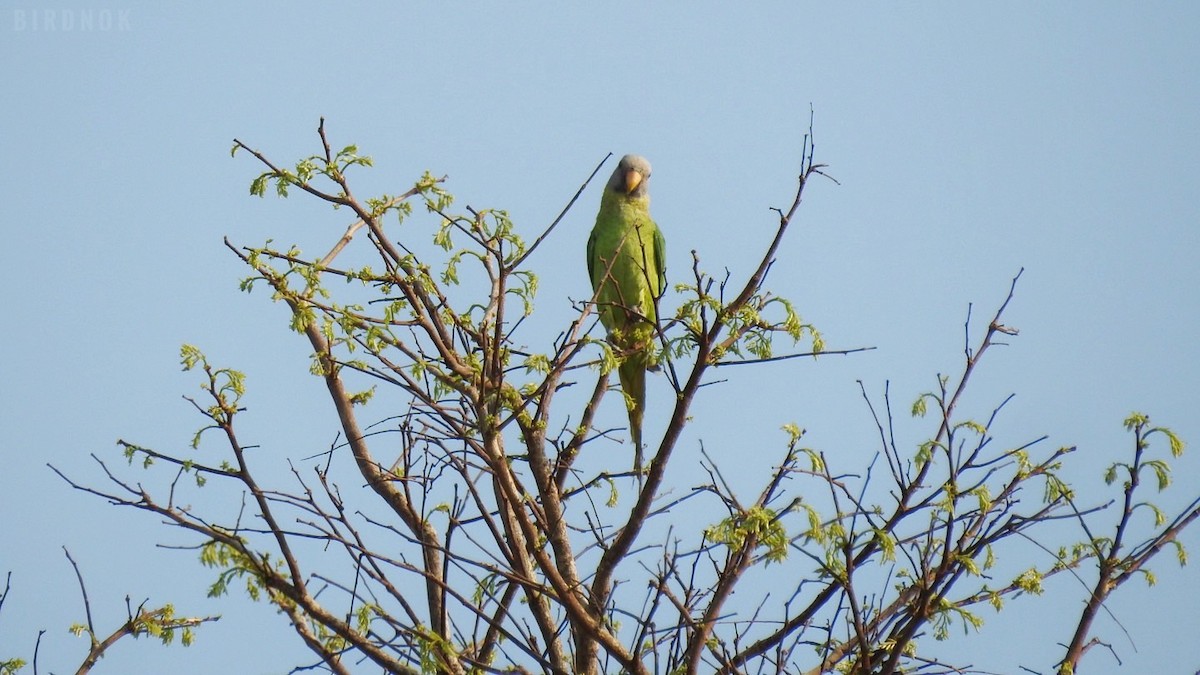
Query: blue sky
x=969, y=140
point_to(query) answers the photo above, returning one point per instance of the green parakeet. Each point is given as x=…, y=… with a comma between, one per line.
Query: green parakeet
x=626, y=262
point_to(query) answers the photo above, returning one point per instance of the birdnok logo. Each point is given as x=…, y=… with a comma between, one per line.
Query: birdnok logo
x=71, y=20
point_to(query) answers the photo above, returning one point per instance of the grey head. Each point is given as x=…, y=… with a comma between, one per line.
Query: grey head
x=631, y=177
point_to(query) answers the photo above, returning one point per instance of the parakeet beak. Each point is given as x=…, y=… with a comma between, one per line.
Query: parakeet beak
x=632, y=179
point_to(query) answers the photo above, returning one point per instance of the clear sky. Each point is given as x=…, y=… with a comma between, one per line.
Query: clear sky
x=970, y=140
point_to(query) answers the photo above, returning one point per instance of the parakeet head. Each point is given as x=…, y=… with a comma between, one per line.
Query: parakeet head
x=631, y=177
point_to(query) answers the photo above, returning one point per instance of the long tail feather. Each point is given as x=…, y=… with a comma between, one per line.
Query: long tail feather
x=633, y=383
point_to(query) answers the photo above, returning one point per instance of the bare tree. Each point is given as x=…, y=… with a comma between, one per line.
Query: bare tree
x=483, y=523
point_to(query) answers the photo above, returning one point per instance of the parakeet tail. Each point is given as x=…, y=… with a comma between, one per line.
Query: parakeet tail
x=633, y=383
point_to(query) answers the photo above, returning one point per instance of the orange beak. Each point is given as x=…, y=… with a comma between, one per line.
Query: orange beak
x=632, y=179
